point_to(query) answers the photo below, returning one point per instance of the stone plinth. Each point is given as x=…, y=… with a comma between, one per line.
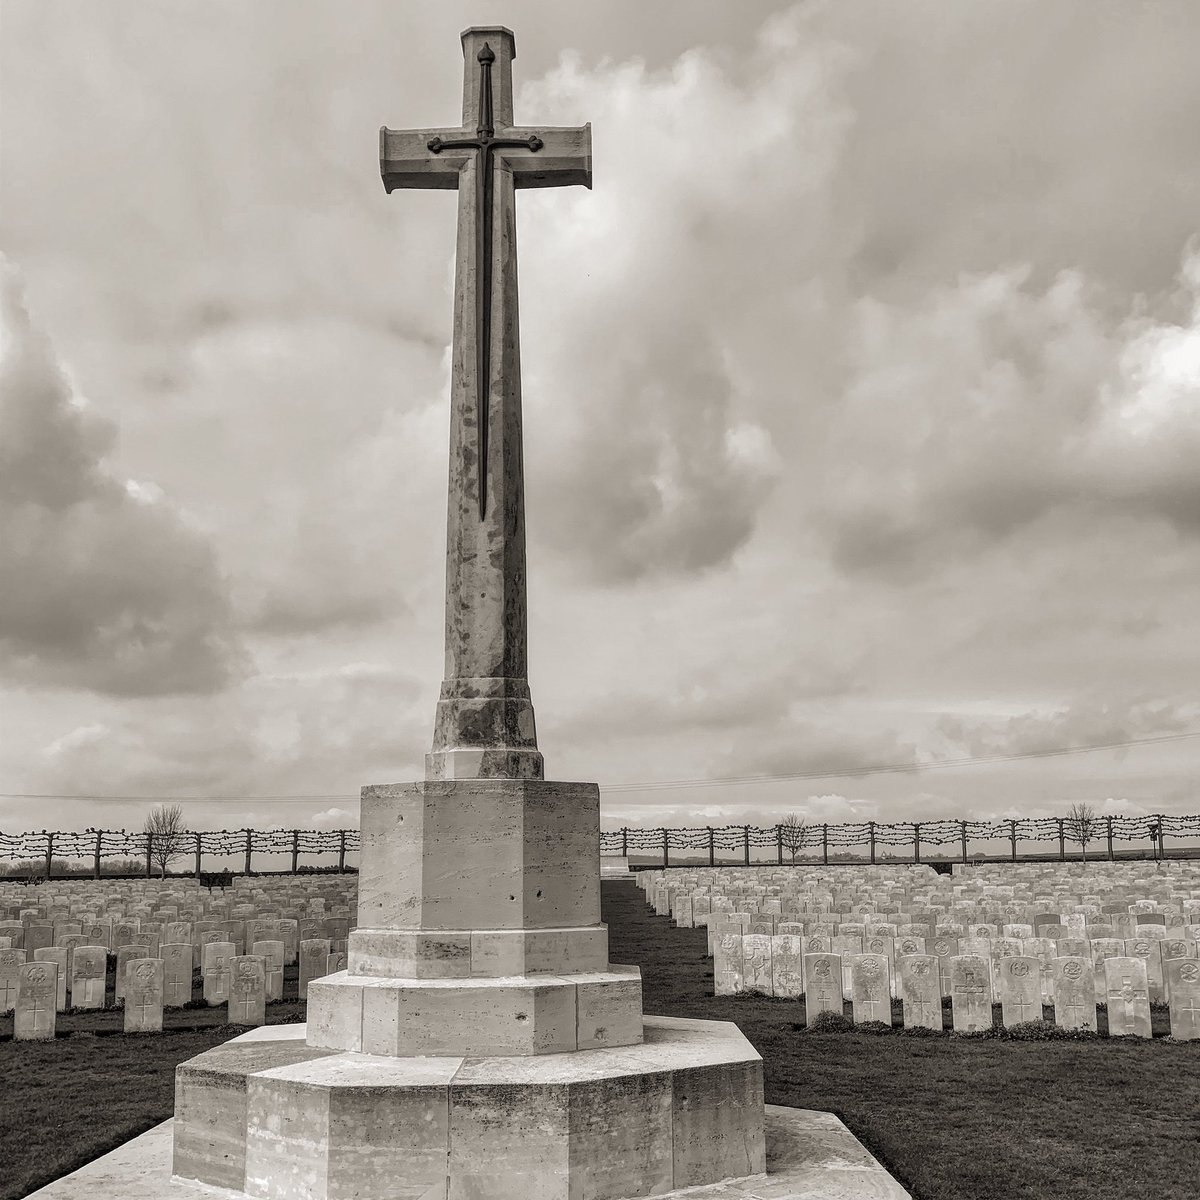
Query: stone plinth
x=523, y=1014
x=281, y=1119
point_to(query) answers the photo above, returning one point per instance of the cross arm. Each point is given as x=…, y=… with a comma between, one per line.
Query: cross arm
x=565, y=156
x=405, y=160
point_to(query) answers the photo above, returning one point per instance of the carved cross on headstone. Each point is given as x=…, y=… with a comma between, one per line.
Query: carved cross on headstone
x=484, y=725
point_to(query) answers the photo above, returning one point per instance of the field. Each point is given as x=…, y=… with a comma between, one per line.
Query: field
x=951, y=1118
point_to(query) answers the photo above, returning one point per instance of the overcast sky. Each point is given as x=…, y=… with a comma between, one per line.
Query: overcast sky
x=862, y=403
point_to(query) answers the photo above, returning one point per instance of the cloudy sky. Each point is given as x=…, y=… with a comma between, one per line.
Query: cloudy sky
x=862, y=404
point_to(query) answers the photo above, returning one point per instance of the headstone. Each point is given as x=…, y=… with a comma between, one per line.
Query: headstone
x=822, y=985
x=945, y=948
x=125, y=955
x=59, y=956
x=247, y=990
x=89, y=968
x=272, y=953
x=1148, y=950
x=787, y=965
x=920, y=990
x=123, y=932
x=36, y=1010
x=971, y=992
x=727, y=963
x=870, y=987
x=144, y=995
x=1128, y=997
x=1074, y=993
x=314, y=953
x=1020, y=990
x=1102, y=950
x=756, y=962
x=214, y=969
x=289, y=933
x=1183, y=984
x=177, y=974
x=38, y=936
x=11, y=962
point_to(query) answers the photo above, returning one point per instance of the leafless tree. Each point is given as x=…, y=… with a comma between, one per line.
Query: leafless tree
x=1080, y=825
x=795, y=834
x=168, y=835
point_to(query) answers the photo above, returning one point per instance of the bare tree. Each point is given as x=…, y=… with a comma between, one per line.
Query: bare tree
x=795, y=834
x=168, y=835
x=1080, y=825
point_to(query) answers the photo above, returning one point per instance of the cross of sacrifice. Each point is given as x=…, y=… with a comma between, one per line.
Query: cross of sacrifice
x=485, y=159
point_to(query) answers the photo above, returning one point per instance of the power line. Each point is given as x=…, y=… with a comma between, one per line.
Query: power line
x=661, y=785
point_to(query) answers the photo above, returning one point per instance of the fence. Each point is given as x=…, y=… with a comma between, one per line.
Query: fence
x=782, y=843
x=157, y=849
x=806, y=843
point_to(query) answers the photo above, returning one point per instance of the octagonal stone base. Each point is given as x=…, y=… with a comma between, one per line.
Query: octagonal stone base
x=280, y=1120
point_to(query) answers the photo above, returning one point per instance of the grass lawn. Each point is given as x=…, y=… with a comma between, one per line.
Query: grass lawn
x=951, y=1118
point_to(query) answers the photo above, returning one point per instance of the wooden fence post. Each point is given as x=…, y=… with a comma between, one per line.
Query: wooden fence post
x=916, y=841
x=295, y=850
x=1162, y=836
x=825, y=844
x=779, y=842
x=1012, y=837
x=96, y=859
x=197, y=837
x=746, y=844
x=1062, y=842
x=1108, y=823
x=712, y=848
x=962, y=829
x=871, y=839
x=624, y=842
x=49, y=853
x=149, y=854
x=341, y=852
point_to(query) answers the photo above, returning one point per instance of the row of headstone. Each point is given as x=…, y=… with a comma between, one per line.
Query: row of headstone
x=81, y=971
x=781, y=966
x=1155, y=954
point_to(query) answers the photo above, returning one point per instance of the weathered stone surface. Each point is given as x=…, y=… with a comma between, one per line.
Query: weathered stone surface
x=1020, y=987
x=822, y=985
x=1183, y=983
x=920, y=989
x=89, y=967
x=971, y=992
x=144, y=995
x=36, y=1011
x=1128, y=997
x=1074, y=993
x=247, y=990
x=870, y=982
x=177, y=974
x=214, y=968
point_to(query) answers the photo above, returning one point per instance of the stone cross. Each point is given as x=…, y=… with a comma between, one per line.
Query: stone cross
x=484, y=726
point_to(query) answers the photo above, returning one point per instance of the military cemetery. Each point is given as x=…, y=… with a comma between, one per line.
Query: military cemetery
x=985, y=929
x=854, y=388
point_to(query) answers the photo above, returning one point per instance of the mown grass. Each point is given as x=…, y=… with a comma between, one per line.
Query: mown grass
x=953, y=1118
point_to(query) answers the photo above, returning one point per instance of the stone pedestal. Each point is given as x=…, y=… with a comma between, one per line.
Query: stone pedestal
x=281, y=1119
x=479, y=1043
